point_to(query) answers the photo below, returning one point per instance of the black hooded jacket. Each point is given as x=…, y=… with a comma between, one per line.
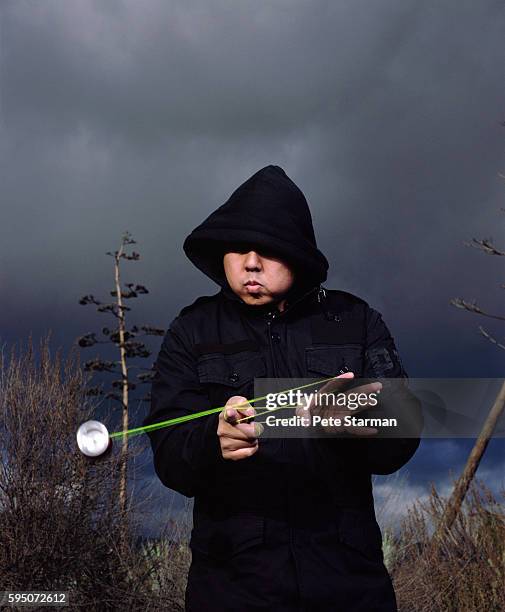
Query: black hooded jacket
x=303, y=507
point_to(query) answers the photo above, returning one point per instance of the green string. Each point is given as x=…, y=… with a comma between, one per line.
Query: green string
x=189, y=417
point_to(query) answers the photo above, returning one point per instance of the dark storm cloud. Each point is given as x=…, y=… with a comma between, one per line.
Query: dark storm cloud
x=145, y=116
x=385, y=115
x=165, y=69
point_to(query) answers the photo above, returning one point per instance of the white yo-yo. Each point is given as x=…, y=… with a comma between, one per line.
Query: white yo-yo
x=93, y=439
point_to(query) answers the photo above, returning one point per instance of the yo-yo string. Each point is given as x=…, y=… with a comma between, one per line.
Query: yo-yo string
x=196, y=415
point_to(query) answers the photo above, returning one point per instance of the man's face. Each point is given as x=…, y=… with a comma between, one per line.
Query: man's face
x=256, y=276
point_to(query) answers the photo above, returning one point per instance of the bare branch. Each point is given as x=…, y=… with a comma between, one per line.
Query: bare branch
x=133, y=291
x=89, y=299
x=99, y=365
x=490, y=338
x=112, y=308
x=137, y=288
x=153, y=331
x=130, y=294
x=119, y=384
x=485, y=245
x=107, y=332
x=136, y=349
x=116, y=337
x=147, y=377
x=87, y=340
x=134, y=256
x=472, y=307
x=108, y=308
x=127, y=238
x=460, y=303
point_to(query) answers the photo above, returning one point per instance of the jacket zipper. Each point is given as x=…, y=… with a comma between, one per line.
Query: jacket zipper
x=285, y=468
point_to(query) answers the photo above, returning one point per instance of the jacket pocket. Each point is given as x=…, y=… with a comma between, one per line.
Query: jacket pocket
x=223, y=376
x=230, y=370
x=334, y=359
x=223, y=539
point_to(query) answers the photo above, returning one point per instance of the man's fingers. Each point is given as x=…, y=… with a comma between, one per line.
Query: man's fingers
x=362, y=392
x=242, y=431
x=237, y=407
x=233, y=444
x=238, y=413
x=258, y=429
x=247, y=430
x=238, y=436
x=242, y=453
x=338, y=383
x=304, y=414
x=246, y=415
x=236, y=416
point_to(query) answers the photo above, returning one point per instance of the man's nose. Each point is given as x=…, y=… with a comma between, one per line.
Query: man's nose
x=252, y=261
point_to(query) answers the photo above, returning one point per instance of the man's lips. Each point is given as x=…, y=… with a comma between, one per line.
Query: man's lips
x=252, y=286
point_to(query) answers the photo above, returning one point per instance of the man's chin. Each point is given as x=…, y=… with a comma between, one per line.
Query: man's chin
x=254, y=299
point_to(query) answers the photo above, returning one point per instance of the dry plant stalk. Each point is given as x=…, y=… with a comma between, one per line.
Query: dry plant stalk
x=129, y=347
x=466, y=572
x=124, y=372
x=60, y=517
x=454, y=504
x=463, y=483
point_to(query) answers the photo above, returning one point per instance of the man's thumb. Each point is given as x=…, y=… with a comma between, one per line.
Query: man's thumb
x=258, y=429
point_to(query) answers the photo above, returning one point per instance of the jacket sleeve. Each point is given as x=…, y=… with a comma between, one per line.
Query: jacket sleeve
x=182, y=453
x=385, y=455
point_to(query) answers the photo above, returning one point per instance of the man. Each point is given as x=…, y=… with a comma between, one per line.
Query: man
x=289, y=523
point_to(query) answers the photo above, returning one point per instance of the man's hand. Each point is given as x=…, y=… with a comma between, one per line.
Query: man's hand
x=238, y=439
x=328, y=410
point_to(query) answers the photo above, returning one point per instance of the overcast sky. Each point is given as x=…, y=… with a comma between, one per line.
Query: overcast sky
x=146, y=116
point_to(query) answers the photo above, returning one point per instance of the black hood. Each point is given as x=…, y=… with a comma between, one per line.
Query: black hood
x=269, y=211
